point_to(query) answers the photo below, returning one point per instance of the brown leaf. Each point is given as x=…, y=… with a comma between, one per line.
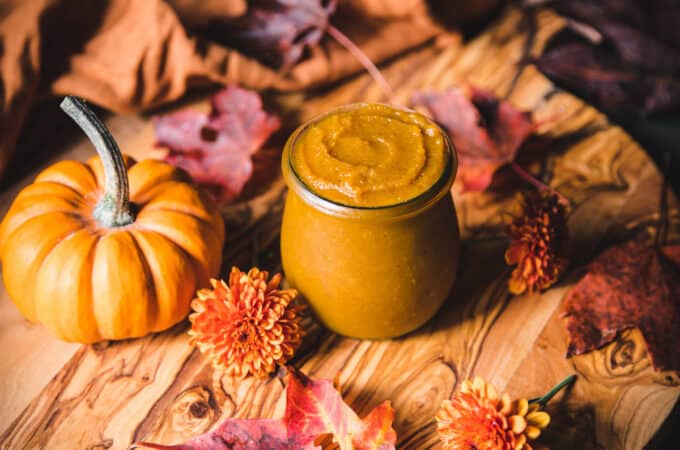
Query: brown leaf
x=486, y=132
x=315, y=415
x=633, y=66
x=630, y=285
x=216, y=148
x=277, y=32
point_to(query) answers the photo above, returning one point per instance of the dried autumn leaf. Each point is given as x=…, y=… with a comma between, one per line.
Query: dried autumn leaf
x=630, y=285
x=314, y=410
x=216, y=148
x=642, y=34
x=628, y=60
x=486, y=131
x=277, y=32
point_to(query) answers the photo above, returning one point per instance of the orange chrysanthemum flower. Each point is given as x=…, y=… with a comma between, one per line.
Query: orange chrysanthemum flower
x=480, y=418
x=248, y=326
x=538, y=241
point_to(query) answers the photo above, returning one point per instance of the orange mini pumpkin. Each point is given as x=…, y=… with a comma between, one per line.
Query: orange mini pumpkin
x=110, y=249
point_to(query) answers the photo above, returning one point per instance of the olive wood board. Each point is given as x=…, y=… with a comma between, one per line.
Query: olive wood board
x=158, y=388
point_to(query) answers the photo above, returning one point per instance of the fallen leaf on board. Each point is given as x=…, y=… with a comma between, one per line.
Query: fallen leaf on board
x=277, y=32
x=630, y=285
x=628, y=60
x=216, y=148
x=643, y=34
x=314, y=411
x=485, y=131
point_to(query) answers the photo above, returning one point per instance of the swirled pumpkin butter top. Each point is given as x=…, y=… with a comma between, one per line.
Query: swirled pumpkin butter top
x=370, y=156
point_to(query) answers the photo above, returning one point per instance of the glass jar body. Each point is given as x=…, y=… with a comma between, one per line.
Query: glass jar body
x=367, y=277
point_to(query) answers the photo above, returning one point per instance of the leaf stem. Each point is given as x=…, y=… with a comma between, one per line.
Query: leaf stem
x=552, y=392
x=529, y=178
x=365, y=61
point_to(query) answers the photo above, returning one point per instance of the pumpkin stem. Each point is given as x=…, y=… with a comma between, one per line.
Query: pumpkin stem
x=113, y=210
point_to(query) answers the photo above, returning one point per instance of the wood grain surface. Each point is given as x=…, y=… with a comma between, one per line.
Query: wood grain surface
x=160, y=389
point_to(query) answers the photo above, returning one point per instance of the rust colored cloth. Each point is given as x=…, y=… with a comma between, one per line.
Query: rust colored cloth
x=129, y=55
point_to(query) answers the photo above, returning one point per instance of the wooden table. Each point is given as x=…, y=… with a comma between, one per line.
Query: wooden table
x=57, y=395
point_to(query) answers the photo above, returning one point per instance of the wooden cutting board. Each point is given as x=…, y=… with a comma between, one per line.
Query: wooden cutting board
x=160, y=389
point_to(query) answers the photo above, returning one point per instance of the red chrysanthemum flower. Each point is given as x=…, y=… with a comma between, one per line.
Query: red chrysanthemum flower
x=538, y=241
x=248, y=326
x=480, y=418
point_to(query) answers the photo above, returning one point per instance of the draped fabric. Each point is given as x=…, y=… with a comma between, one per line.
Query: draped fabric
x=130, y=55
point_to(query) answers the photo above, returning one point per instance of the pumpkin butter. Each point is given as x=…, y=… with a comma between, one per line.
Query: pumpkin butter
x=373, y=155
x=369, y=234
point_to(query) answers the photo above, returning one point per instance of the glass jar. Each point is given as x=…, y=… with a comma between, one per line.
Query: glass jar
x=370, y=272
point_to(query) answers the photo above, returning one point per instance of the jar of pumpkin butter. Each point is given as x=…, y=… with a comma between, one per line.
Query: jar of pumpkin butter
x=369, y=234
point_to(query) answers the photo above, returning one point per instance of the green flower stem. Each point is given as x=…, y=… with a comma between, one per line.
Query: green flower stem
x=552, y=392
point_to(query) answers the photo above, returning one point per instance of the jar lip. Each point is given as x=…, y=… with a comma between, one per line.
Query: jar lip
x=427, y=197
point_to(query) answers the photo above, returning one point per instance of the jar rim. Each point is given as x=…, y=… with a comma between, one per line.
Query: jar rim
x=421, y=201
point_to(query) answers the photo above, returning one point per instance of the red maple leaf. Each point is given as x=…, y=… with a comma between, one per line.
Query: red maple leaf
x=216, y=148
x=277, y=32
x=314, y=410
x=485, y=131
x=630, y=285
